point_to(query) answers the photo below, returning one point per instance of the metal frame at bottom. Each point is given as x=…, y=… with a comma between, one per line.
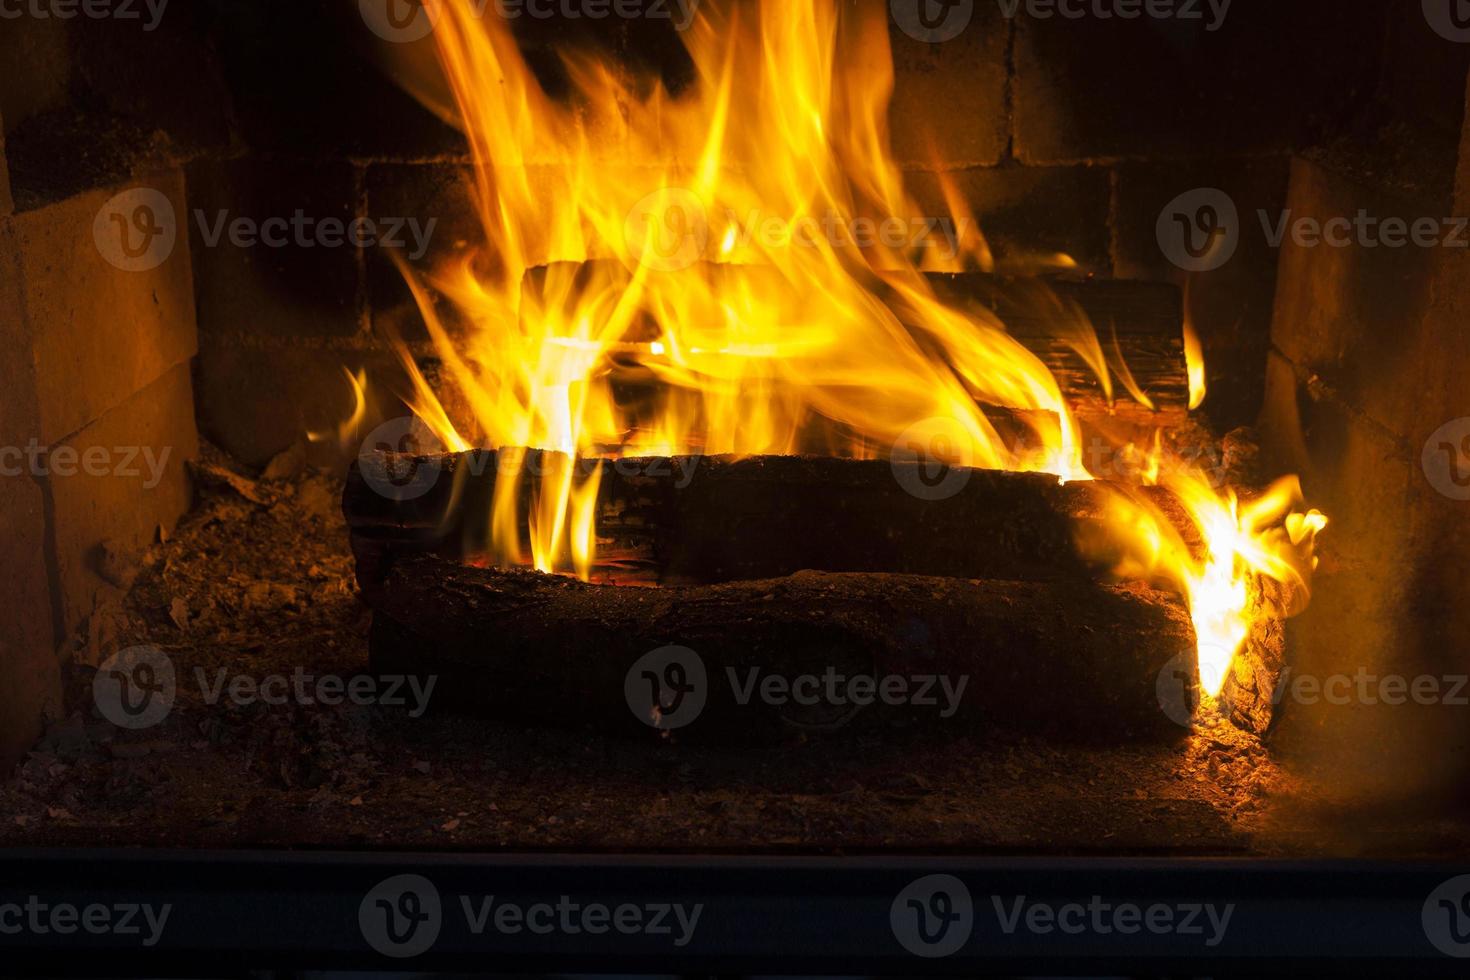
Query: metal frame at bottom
x=204, y=913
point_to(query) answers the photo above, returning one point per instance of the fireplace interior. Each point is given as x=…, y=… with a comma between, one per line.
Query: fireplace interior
x=269, y=450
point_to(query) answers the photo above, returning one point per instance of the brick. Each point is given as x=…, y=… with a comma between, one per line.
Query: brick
x=98, y=333
x=1231, y=307
x=1026, y=211
x=29, y=674
x=1100, y=89
x=949, y=100
x=1373, y=360
x=254, y=403
x=121, y=506
x=1354, y=316
x=1387, y=599
x=265, y=291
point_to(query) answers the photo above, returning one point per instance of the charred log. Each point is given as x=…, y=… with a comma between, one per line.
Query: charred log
x=1071, y=657
x=692, y=520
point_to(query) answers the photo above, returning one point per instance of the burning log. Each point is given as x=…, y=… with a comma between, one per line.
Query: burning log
x=701, y=520
x=1072, y=656
x=1250, y=696
x=1139, y=325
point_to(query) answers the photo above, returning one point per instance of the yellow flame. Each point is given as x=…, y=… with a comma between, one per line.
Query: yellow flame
x=1194, y=359
x=346, y=434
x=737, y=269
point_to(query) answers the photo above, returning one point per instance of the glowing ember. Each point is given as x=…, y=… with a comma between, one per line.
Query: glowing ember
x=760, y=290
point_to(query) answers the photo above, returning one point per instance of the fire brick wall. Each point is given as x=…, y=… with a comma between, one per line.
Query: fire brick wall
x=97, y=338
x=1367, y=399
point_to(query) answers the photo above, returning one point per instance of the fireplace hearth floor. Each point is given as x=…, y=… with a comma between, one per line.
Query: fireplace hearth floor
x=258, y=582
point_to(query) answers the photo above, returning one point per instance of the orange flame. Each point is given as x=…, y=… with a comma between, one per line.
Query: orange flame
x=732, y=271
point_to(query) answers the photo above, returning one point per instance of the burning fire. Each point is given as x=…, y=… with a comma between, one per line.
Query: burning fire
x=728, y=271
